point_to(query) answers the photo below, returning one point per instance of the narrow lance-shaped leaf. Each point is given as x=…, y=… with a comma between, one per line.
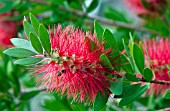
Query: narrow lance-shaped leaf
x=19, y=52
x=135, y=95
x=22, y=43
x=7, y=5
x=36, y=43
x=34, y=22
x=167, y=94
x=110, y=43
x=129, y=54
x=16, y=87
x=98, y=30
x=10, y=69
x=28, y=28
x=126, y=64
x=138, y=57
x=44, y=38
x=131, y=77
x=28, y=61
x=128, y=90
x=29, y=95
x=106, y=62
x=115, y=15
x=92, y=6
x=147, y=74
x=100, y=101
x=116, y=88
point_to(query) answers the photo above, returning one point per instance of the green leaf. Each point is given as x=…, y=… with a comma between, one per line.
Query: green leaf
x=126, y=64
x=128, y=90
x=113, y=14
x=100, y=101
x=92, y=6
x=168, y=67
x=138, y=57
x=16, y=87
x=110, y=43
x=167, y=94
x=19, y=52
x=98, y=30
x=78, y=107
x=36, y=43
x=50, y=102
x=10, y=67
x=25, y=106
x=129, y=54
x=146, y=4
x=22, y=43
x=28, y=61
x=34, y=22
x=168, y=70
x=28, y=28
x=116, y=88
x=92, y=46
x=7, y=5
x=29, y=95
x=10, y=70
x=106, y=62
x=157, y=21
x=131, y=77
x=44, y=38
x=161, y=9
x=147, y=74
x=135, y=95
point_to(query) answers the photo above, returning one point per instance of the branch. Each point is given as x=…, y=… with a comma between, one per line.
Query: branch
x=110, y=22
x=162, y=82
x=24, y=91
x=156, y=81
x=104, y=20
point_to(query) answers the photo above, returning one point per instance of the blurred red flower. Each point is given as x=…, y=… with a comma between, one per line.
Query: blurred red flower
x=150, y=6
x=74, y=68
x=159, y=54
x=136, y=6
x=7, y=30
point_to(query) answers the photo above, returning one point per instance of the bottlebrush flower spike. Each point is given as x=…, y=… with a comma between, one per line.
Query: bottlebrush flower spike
x=7, y=30
x=74, y=68
x=159, y=53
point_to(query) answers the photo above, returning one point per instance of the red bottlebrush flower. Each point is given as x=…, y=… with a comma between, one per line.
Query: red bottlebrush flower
x=7, y=30
x=159, y=54
x=74, y=68
x=137, y=6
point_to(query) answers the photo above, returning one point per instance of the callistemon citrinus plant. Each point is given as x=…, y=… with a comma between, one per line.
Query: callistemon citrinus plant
x=7, y=30
x=146, y=6
x=82, y=66
x=157, y=56
x=73, y=67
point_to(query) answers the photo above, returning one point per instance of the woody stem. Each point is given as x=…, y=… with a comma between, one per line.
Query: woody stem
x=143, y=80
x=104, y=20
